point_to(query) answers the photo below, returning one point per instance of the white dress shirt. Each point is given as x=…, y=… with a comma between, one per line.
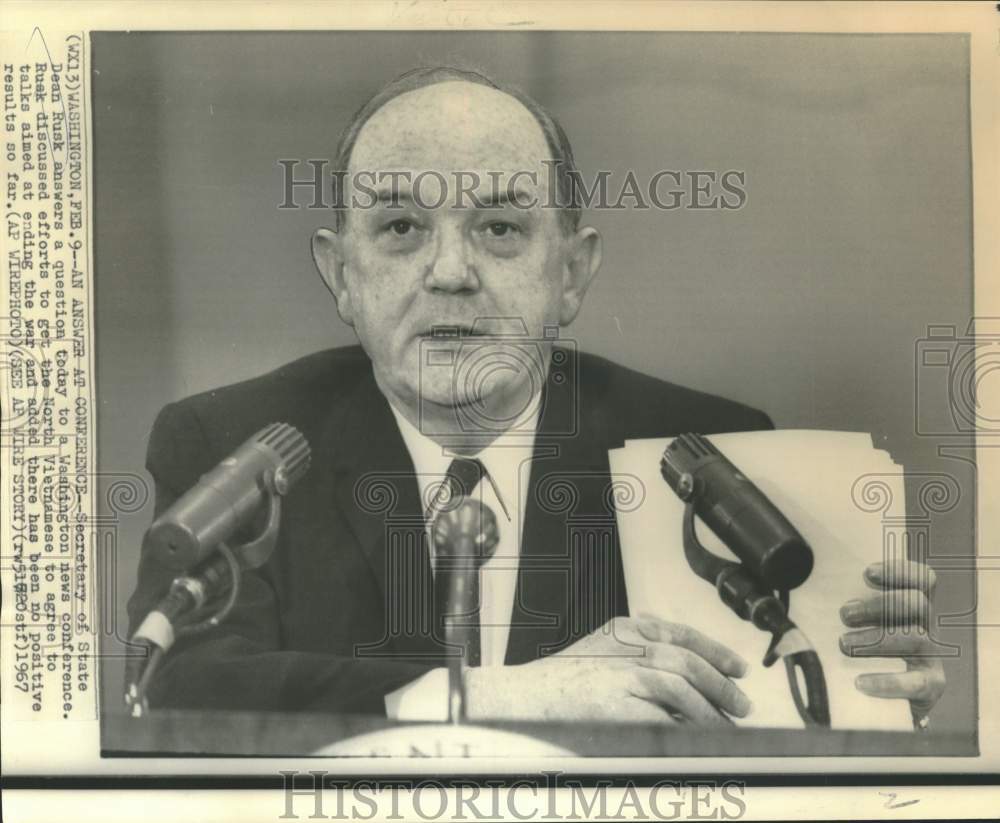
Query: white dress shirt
x=504, y=488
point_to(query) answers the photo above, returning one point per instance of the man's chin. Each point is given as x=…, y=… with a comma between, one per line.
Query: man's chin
x=446, y=398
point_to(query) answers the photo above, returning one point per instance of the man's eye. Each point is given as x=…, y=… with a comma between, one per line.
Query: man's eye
x=400, y=227
x=500, y=229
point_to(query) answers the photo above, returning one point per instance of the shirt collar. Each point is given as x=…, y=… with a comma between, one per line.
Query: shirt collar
x=503, y=459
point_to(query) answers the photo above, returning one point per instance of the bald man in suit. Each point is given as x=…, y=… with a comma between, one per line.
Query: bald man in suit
x=336, y=619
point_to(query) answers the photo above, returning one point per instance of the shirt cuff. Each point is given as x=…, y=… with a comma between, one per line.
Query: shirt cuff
x=425, y=698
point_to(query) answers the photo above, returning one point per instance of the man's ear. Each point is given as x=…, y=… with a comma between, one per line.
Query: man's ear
x=328, y=255
x=583, y=261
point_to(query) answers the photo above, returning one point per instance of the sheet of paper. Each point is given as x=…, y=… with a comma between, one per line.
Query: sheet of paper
x=809, y=475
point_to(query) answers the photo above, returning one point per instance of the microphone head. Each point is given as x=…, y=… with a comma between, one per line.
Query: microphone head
x=229, y=496
x=291, y=450
x=466, y=531
x=737, y=511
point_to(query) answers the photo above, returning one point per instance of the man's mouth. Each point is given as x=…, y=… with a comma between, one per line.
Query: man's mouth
x=451, y=331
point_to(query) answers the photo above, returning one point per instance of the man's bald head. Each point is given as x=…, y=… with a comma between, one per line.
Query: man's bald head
x=505, y=257
x=461, y=113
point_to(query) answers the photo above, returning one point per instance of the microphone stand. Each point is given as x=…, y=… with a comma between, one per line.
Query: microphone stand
x=463, y=604
x=751, y=599
x=465, y=537
x=191, y=605
x=180, y=613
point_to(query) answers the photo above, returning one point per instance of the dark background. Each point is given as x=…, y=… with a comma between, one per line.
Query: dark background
x=809, y=302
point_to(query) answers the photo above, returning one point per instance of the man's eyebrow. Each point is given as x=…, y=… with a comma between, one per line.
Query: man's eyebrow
x=494, y=199
x=501, y=197
x=388, y=195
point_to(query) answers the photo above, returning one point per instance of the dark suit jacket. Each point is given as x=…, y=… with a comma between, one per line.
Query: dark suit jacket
x=337, y=618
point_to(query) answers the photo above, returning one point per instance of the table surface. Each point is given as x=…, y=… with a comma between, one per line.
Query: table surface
x=221, y=733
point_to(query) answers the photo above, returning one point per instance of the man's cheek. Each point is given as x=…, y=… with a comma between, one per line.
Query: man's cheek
x=537, y=307
x=515, y=289
x=375, y=295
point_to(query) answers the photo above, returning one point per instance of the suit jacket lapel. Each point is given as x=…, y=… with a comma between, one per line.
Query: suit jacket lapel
x=569, y=574
x=569, y=547
x=375, y=487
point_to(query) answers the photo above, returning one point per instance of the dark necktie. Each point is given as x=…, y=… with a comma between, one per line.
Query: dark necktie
x=463, y=476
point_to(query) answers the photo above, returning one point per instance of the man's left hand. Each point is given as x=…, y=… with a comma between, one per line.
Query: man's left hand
x=893, y=622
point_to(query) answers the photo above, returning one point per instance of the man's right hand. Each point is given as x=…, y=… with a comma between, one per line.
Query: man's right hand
x=631, y=669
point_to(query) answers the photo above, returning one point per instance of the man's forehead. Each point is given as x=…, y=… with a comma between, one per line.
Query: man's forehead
x=451, y=126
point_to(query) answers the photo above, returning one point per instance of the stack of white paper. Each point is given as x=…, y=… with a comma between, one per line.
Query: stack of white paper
x=809, y=476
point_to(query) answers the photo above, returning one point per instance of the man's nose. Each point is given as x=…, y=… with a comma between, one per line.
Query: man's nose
x=451, y=270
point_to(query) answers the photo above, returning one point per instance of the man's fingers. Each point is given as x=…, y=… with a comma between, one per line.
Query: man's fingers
x=718, y=689
x=920, y=685
x=896, y=607
x=900, y=641
x=722, y=657
x=674, y=692
x=635, y=709
x=901, y=574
